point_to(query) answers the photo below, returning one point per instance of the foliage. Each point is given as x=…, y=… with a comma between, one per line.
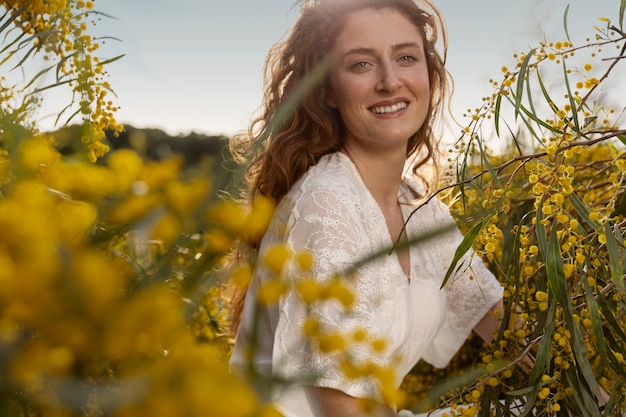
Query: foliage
x=108, y=302
x=552, y=211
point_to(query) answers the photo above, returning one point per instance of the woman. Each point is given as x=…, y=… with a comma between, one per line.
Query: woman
x=336, y=165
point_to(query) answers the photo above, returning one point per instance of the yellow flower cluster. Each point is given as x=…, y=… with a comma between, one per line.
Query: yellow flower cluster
x=96, y=293
x=60, y=28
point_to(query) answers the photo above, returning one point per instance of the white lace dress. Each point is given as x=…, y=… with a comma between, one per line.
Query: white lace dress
x=331, y=213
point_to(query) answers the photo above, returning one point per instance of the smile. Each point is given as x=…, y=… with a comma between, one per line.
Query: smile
x=390, y=109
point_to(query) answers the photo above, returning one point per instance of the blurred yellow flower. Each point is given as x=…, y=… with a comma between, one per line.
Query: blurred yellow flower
x=276, y=257
x=271, y=291
x=330, y=342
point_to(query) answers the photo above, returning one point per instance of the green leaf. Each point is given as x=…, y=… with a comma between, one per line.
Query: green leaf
x=579, y=395
x=622, y=8
x=386, y=251
x=557, y=286
x=453, y=383
x=483, y=157
x=557, y=281
x=14, y=16
x=521, y=76
x=461, y=250
x=614, y=327
x=615, y=260
x=583, y=210
x=554, y=268
x=537, y=120
x=545, y=93
x=108, y=61
x=596, y=318
x=542, y=361
x=295, y=97
x=572, y=102
x=565, y=24
x=542, y=239
x=497, y=114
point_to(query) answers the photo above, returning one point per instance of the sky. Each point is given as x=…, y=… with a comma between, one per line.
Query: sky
x=196, y=66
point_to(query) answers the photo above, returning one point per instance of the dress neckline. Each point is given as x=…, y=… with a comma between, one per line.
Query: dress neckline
x=389, y=240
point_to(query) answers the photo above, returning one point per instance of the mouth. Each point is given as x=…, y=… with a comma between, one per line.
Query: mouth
x=390, y=109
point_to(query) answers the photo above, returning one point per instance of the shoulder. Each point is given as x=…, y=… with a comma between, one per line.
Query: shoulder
x=330, y=197
x=333, y=180
x=332, y=171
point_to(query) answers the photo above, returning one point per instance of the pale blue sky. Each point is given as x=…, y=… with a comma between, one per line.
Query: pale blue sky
x=196, y=65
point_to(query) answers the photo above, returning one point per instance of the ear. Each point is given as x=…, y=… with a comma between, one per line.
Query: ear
x=328, y=97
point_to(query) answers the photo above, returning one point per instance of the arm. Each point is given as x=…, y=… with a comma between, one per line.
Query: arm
x=491, y=322
x=335, y=403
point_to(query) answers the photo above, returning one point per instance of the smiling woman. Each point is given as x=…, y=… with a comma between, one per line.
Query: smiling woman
x=369, y=83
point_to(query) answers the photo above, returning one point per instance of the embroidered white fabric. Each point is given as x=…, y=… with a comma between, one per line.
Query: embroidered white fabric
x=331, y=213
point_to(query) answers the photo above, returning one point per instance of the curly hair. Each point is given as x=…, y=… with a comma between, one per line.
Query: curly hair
x=296, y=127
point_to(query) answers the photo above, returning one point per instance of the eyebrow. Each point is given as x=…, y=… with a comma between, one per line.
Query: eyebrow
x=371, y=51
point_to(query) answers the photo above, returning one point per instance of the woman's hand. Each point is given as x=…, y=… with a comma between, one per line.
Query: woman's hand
x=487, y=327
x=335, y=403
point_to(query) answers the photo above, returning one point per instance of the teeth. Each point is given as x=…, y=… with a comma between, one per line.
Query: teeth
x=389, y=109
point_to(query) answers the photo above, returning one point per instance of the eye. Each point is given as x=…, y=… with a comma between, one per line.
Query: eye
x=407, y=59
x=360, y=66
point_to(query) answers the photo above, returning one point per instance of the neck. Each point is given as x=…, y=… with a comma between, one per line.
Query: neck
x=381, y=173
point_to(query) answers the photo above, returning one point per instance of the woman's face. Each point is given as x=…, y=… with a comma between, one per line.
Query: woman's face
x=379, y=79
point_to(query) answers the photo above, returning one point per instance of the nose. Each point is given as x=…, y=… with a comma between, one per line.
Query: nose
x=389, y=80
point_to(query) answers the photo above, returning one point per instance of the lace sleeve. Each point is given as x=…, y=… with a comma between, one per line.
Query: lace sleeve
x=470, y=293
x=328, y=222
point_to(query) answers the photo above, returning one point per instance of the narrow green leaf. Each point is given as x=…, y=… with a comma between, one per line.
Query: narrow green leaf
x=108, y=61
x=616, y=364
x=483, y=157
x=615, y=260
x=537, y=120
x=452, y=383
x=596, y=318
x=531, y=105
x=298, y=94
x=557, y=281
x=461, y=250
x=557, y=286
x=545, y=93
x=565, y=24
x=615, y=394
x=583, y=210
x=622, y=8
x=521, y=77
x=10, y=45
x=542, y=239
x=622, y=138
x=39, y=74
x=485, y=402
x=47, y=87
x=554, y=268
x=15, y=15
x=578, y=394
x=385, y=251
x=497, y=113
x=572, y=102
x=614, y=327
x=542, y=361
